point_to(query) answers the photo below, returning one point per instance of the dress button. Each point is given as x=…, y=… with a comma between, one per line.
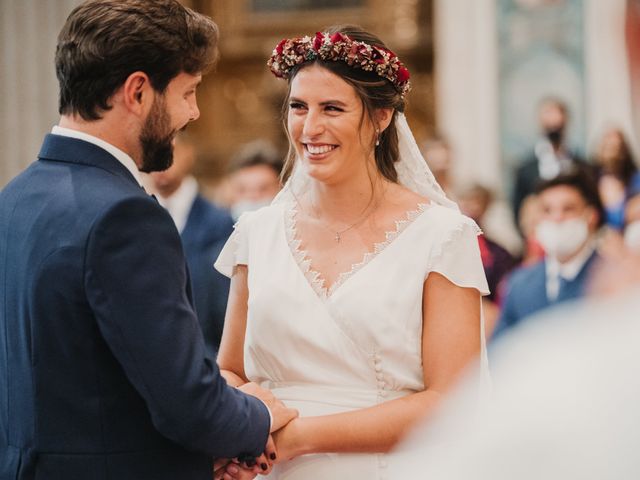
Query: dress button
x=380, y=377
x=381, y=384
x=378, y=367
x=383, y=393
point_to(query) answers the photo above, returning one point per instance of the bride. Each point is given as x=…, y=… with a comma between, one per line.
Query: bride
x=355, y=296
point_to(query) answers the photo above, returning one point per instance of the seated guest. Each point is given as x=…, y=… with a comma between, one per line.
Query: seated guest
x=632, y=221
x=529, y=217
x=617, y=175
x=254, y=177
x=204, y=229
x=474, y=200
x=571, y=217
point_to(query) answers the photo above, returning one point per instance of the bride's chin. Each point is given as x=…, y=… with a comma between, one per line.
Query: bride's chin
x=318, y=172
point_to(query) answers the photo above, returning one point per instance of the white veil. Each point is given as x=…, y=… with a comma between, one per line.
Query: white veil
x=413, y=171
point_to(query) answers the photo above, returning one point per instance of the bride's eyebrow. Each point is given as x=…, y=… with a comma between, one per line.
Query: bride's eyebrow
x=326, y=102
x=338, y=103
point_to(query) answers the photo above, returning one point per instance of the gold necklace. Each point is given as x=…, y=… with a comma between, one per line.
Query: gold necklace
x=337, y=234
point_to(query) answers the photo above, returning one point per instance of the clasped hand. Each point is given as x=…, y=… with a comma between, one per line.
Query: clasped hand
x=247, y=468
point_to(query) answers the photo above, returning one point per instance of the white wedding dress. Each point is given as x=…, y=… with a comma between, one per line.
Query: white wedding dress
x=357, y=344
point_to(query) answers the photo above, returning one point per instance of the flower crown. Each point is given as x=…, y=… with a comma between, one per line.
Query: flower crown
x=338, y=46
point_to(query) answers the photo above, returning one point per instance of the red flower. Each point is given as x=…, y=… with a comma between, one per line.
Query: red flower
x=280, y=46
x=402, y=75
x=317, y=42
x=337, y=37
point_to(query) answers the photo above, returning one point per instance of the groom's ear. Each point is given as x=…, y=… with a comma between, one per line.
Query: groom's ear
x=137, y=93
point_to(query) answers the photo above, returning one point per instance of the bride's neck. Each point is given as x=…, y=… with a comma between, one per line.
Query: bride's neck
x=346, y=200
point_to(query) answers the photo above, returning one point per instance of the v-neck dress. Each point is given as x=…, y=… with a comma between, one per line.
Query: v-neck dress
x=357, y=344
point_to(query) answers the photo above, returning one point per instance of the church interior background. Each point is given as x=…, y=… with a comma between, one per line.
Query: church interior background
x=478, y=69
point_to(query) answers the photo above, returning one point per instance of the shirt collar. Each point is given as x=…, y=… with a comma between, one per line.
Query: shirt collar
x=572, y=268
x=122, y=157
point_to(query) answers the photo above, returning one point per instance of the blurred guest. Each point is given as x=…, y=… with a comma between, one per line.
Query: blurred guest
x=530, y=217
x=437, y=153
x=550, y=156
x=474, y=200
x=572, y=214
x=203, y=229
x=254, y=177
x=565, y=402
x=615, y=243
x=632, y=221
x=617, y=173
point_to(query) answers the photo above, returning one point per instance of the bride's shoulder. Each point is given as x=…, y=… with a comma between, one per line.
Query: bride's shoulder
x=266, y=214
x=450, y=215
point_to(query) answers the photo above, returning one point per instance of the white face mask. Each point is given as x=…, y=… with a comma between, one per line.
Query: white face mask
x=247, y=206
x=562, y=239
x=632, y=236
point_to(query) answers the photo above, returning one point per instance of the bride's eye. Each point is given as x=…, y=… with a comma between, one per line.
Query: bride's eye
x=296, y=106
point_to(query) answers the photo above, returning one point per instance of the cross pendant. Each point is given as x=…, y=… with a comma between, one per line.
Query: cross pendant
x=337, y=237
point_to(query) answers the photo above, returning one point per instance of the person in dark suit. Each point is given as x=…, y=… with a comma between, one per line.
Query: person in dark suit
x=551, y=155
x=204, y=229
x=571, y=215
x=103, y=368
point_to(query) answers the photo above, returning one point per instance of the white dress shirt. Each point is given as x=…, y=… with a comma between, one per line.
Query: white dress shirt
x=180, y=202
x=567, y=271
x=122, y=157
x=550, y=162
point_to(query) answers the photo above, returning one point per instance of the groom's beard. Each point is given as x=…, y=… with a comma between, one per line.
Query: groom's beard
x=156, y=139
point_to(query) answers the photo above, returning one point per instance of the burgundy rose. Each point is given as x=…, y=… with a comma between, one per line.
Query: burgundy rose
x=280, y=46
x=402, y=75
x=337, y=37
x=318, y=41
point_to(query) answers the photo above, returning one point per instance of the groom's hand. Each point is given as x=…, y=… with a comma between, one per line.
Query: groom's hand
x=280, y=413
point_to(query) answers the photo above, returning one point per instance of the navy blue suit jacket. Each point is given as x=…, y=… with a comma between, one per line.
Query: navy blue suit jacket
x=526, y=292
x=103, y=371
x=205, y=233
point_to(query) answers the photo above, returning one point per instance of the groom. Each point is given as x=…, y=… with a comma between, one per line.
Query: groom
x=103, y=370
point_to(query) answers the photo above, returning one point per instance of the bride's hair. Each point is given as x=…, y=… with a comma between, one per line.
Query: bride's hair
x=375, y=93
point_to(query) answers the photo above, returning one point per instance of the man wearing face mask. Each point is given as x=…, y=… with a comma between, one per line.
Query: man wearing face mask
x=550, y=156
x=571, y=216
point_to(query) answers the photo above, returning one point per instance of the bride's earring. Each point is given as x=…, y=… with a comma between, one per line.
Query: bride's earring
x=377, y=137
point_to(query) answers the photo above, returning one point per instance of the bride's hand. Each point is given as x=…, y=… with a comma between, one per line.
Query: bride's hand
x=289, y=440
x=248, y=469
x=280, y=413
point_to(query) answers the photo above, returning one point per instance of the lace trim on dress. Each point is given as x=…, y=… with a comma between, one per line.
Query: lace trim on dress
x=454, y=236
x=314, y=277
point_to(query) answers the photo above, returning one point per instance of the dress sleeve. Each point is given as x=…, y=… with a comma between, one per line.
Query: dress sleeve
x=458, y=256
x=236, y=250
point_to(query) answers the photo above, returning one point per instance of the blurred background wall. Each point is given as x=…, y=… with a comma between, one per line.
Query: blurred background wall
x=479, y=67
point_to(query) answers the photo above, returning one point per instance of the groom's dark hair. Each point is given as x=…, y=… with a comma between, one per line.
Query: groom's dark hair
x=105, y=41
